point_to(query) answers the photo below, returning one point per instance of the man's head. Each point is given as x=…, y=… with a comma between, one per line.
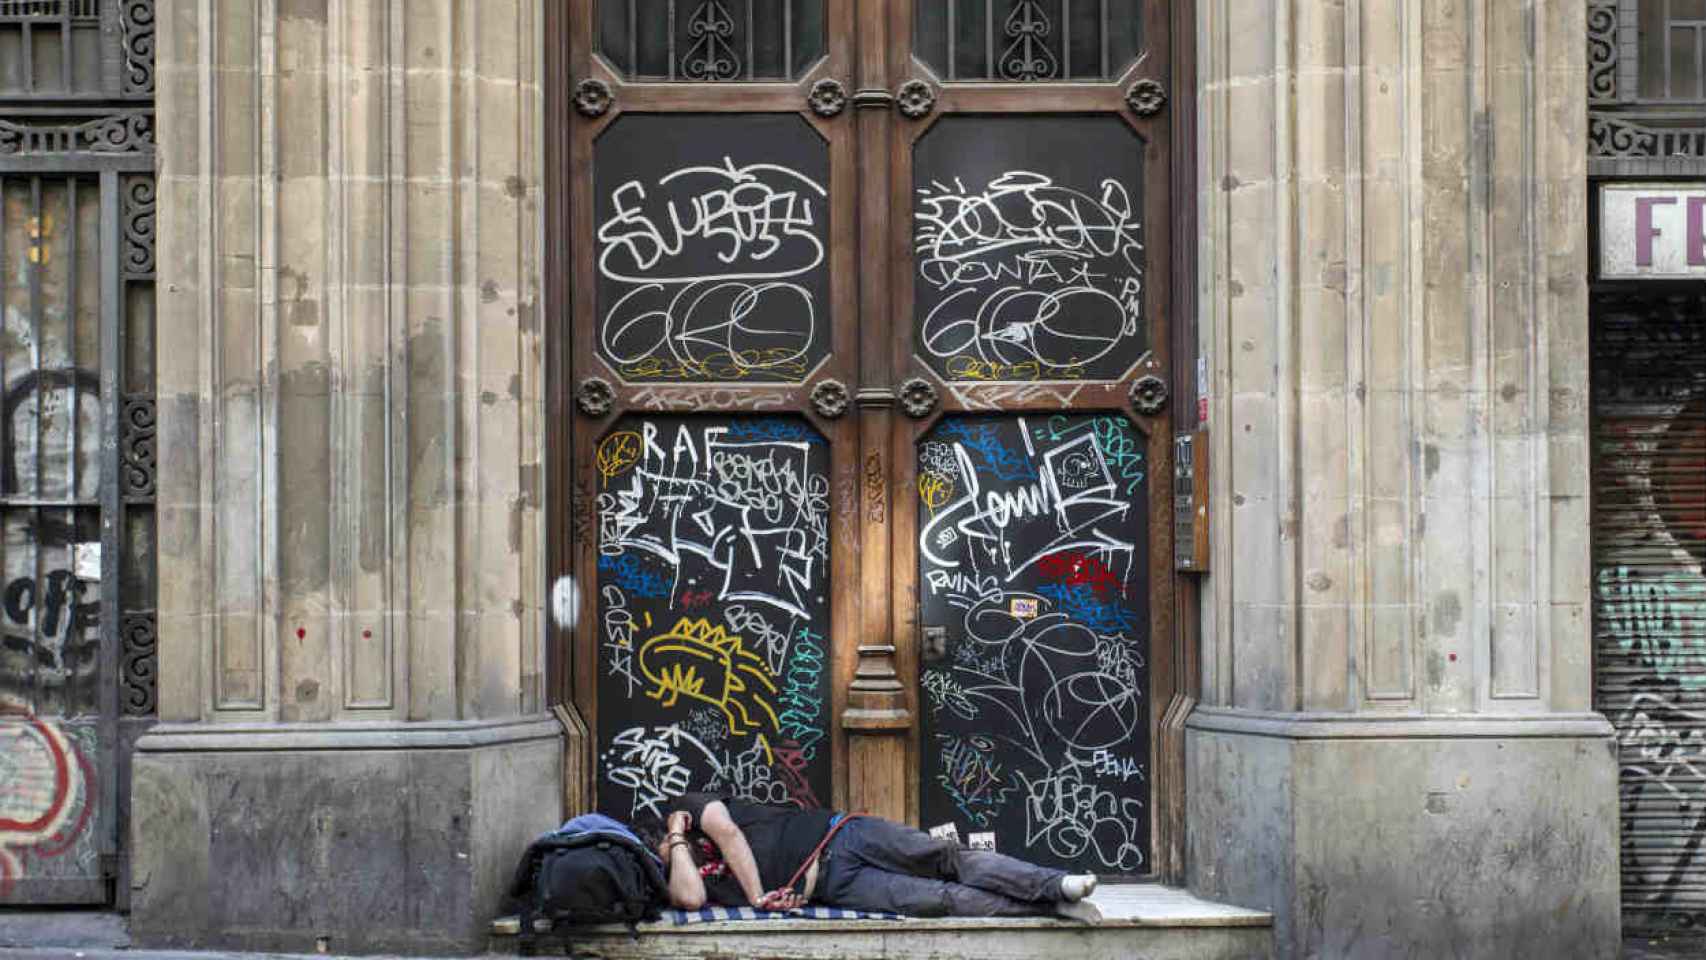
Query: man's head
x=649, y=827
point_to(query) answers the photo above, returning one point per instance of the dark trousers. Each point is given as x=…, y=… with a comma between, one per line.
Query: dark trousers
x=875, y=864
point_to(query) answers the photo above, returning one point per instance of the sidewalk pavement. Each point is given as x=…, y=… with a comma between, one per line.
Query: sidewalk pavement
x=97, y=935
x=89, y=935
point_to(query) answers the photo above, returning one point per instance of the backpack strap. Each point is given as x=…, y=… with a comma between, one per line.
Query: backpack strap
x=805, y=865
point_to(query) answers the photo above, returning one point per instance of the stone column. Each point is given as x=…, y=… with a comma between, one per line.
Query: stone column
x=1396, y=751
x=353, y=749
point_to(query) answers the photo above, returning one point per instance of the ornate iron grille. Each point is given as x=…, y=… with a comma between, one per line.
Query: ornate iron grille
x=77, y=49
x=702, y=41
x=1647, y=87
x=77, y=441
x=1028, y=40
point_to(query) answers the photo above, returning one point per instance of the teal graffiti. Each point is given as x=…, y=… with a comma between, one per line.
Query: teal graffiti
x=1661, y=619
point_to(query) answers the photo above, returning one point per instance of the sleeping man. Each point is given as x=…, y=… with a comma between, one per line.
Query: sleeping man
x=735, y=853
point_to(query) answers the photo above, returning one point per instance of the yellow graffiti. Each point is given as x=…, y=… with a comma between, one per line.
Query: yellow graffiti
x=36, y=231
x=973, y=368
x=618, y=453
x=934, y=488
x=701, y=661
x=722, y=367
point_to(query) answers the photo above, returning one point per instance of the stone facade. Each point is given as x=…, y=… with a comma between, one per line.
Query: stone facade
x=1396, y=745
x=351, y=424
x=1395, y=750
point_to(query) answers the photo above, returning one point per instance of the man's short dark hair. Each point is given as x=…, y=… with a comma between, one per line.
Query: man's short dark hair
x=650, y=828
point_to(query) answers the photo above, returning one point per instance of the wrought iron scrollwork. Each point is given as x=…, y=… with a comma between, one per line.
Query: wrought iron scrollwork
x=593, y=97
x=138, y=195
x=711, y=56
x=120, y=132
x=138, y=448
x=1147, y=97
x=1027, y=41
x=917, y=397
x=595, y=396
x=830, y=398
x=828, y=97
x=137, y=23
x=140, y=665
x=1027, y=56
x=915, y=99
x=1615, y=137
x=711, y=41
x=1602, y=51
x=1149, y=395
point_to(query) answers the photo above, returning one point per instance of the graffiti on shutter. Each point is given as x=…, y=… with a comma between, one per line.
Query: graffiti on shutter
x=1649, y=530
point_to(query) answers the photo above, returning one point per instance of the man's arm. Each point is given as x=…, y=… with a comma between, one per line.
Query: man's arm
x=721, y=828
x=686, y=887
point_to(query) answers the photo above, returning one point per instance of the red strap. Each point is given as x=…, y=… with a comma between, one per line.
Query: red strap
x=844, y=821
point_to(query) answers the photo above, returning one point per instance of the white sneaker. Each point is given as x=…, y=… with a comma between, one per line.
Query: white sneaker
x=1081, y=910
x=1077, y=886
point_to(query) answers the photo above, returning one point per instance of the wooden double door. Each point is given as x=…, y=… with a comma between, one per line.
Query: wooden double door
x=865, y=381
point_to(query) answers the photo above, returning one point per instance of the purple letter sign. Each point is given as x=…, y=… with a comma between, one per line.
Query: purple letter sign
x=1652, y=231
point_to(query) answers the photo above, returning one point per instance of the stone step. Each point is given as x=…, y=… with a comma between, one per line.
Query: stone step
x=1140, y=922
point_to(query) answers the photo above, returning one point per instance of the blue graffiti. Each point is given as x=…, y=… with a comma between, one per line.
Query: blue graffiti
x=772, y=429
x=628, y=573
x=984, y=444
x=1081, y=604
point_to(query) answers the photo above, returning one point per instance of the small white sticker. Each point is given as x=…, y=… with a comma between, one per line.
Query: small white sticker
x=565, y=603
x=947, y=831
x=1024, y=608
x=983, y=841
x=86, y=560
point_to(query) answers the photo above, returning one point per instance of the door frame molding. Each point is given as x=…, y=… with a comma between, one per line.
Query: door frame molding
x=562, y=514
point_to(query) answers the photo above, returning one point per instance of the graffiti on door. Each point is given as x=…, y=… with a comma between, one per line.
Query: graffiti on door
x=712, y=243
x=713, y=638
x=1029, y=259
x=1032, y=562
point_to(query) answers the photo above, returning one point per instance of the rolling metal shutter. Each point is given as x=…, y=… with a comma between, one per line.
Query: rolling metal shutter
x=1649, y=547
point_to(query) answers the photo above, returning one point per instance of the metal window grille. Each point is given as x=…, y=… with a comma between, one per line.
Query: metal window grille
x=1028, y=40
x=706, y=41
x=1647, y=87
x=77, y=446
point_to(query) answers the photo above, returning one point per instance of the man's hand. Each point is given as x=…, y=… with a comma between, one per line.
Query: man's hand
x=781, y=898
x=680, y=821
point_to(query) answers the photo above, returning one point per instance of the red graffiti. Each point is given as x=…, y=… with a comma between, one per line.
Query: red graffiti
x=792, y=762
x=39, y=801
x=694, y=599
x=1076, y=569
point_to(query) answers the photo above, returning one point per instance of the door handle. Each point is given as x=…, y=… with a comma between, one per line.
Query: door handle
x=934, y=641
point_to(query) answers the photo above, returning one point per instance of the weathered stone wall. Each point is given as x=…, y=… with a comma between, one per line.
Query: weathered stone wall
x=1393, y=285
x=350, y=360
x=351, y=504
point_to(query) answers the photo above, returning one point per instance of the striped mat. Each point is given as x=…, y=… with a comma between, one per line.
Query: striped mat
x=714, y=914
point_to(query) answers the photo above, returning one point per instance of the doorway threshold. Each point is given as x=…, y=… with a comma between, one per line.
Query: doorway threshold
x=1139, y=921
